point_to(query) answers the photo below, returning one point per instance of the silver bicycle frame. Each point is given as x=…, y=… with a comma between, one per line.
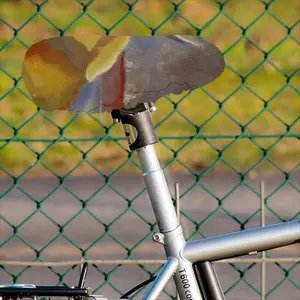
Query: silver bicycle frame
x=181, y=254
x=190, y=263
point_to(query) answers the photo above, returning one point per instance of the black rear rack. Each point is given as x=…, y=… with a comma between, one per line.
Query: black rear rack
x=20, y=291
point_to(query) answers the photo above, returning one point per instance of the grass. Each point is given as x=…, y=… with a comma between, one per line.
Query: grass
x=31, y=147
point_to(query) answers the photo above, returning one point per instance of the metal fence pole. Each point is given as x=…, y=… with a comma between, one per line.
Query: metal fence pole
x=263, y=264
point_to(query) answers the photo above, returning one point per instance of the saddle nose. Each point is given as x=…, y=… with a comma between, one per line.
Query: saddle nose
x=63, y=73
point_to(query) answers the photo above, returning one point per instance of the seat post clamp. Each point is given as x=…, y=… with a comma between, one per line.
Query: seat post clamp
x=138, y=125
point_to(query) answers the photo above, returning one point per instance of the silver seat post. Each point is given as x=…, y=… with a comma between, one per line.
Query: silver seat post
x=171, y=234
x=140, y=132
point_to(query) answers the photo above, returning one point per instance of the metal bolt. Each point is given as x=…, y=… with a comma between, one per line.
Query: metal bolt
x=158, y=237
x=152, y=107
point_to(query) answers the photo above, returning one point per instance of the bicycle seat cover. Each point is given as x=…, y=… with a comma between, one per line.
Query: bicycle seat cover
x=105, y=73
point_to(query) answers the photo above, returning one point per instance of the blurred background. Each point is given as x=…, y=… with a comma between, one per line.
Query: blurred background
x=219, y=142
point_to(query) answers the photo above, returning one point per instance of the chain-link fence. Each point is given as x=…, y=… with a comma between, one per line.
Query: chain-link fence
x=218, y=141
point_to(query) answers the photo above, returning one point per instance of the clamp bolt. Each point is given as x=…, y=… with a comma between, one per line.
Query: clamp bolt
x=158, y=237
x=152, y=107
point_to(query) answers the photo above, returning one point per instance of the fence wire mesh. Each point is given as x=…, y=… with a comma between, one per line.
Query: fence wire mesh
x=245, y=124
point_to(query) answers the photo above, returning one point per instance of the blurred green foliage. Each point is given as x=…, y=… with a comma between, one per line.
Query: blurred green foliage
x=258, y=88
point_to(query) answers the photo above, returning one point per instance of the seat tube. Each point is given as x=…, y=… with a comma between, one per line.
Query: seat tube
x=158, y=190
x=172, y=236
x=140, y=132
x=171, y=233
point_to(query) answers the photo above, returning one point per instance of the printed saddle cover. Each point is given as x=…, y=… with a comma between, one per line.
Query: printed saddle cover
x=94, y=74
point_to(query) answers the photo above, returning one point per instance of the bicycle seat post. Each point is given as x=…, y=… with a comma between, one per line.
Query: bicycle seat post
x=141, y=135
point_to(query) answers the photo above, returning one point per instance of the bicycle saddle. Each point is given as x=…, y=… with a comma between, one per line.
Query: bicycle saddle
x=96, y=74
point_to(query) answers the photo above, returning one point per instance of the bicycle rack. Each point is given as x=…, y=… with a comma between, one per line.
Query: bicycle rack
x=19, y=291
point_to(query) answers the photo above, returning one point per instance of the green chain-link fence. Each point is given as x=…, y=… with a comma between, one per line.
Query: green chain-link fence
x=245, y=124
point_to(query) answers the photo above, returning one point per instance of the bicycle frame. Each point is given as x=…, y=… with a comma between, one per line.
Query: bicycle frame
x=202, y=283
x=210, y=249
